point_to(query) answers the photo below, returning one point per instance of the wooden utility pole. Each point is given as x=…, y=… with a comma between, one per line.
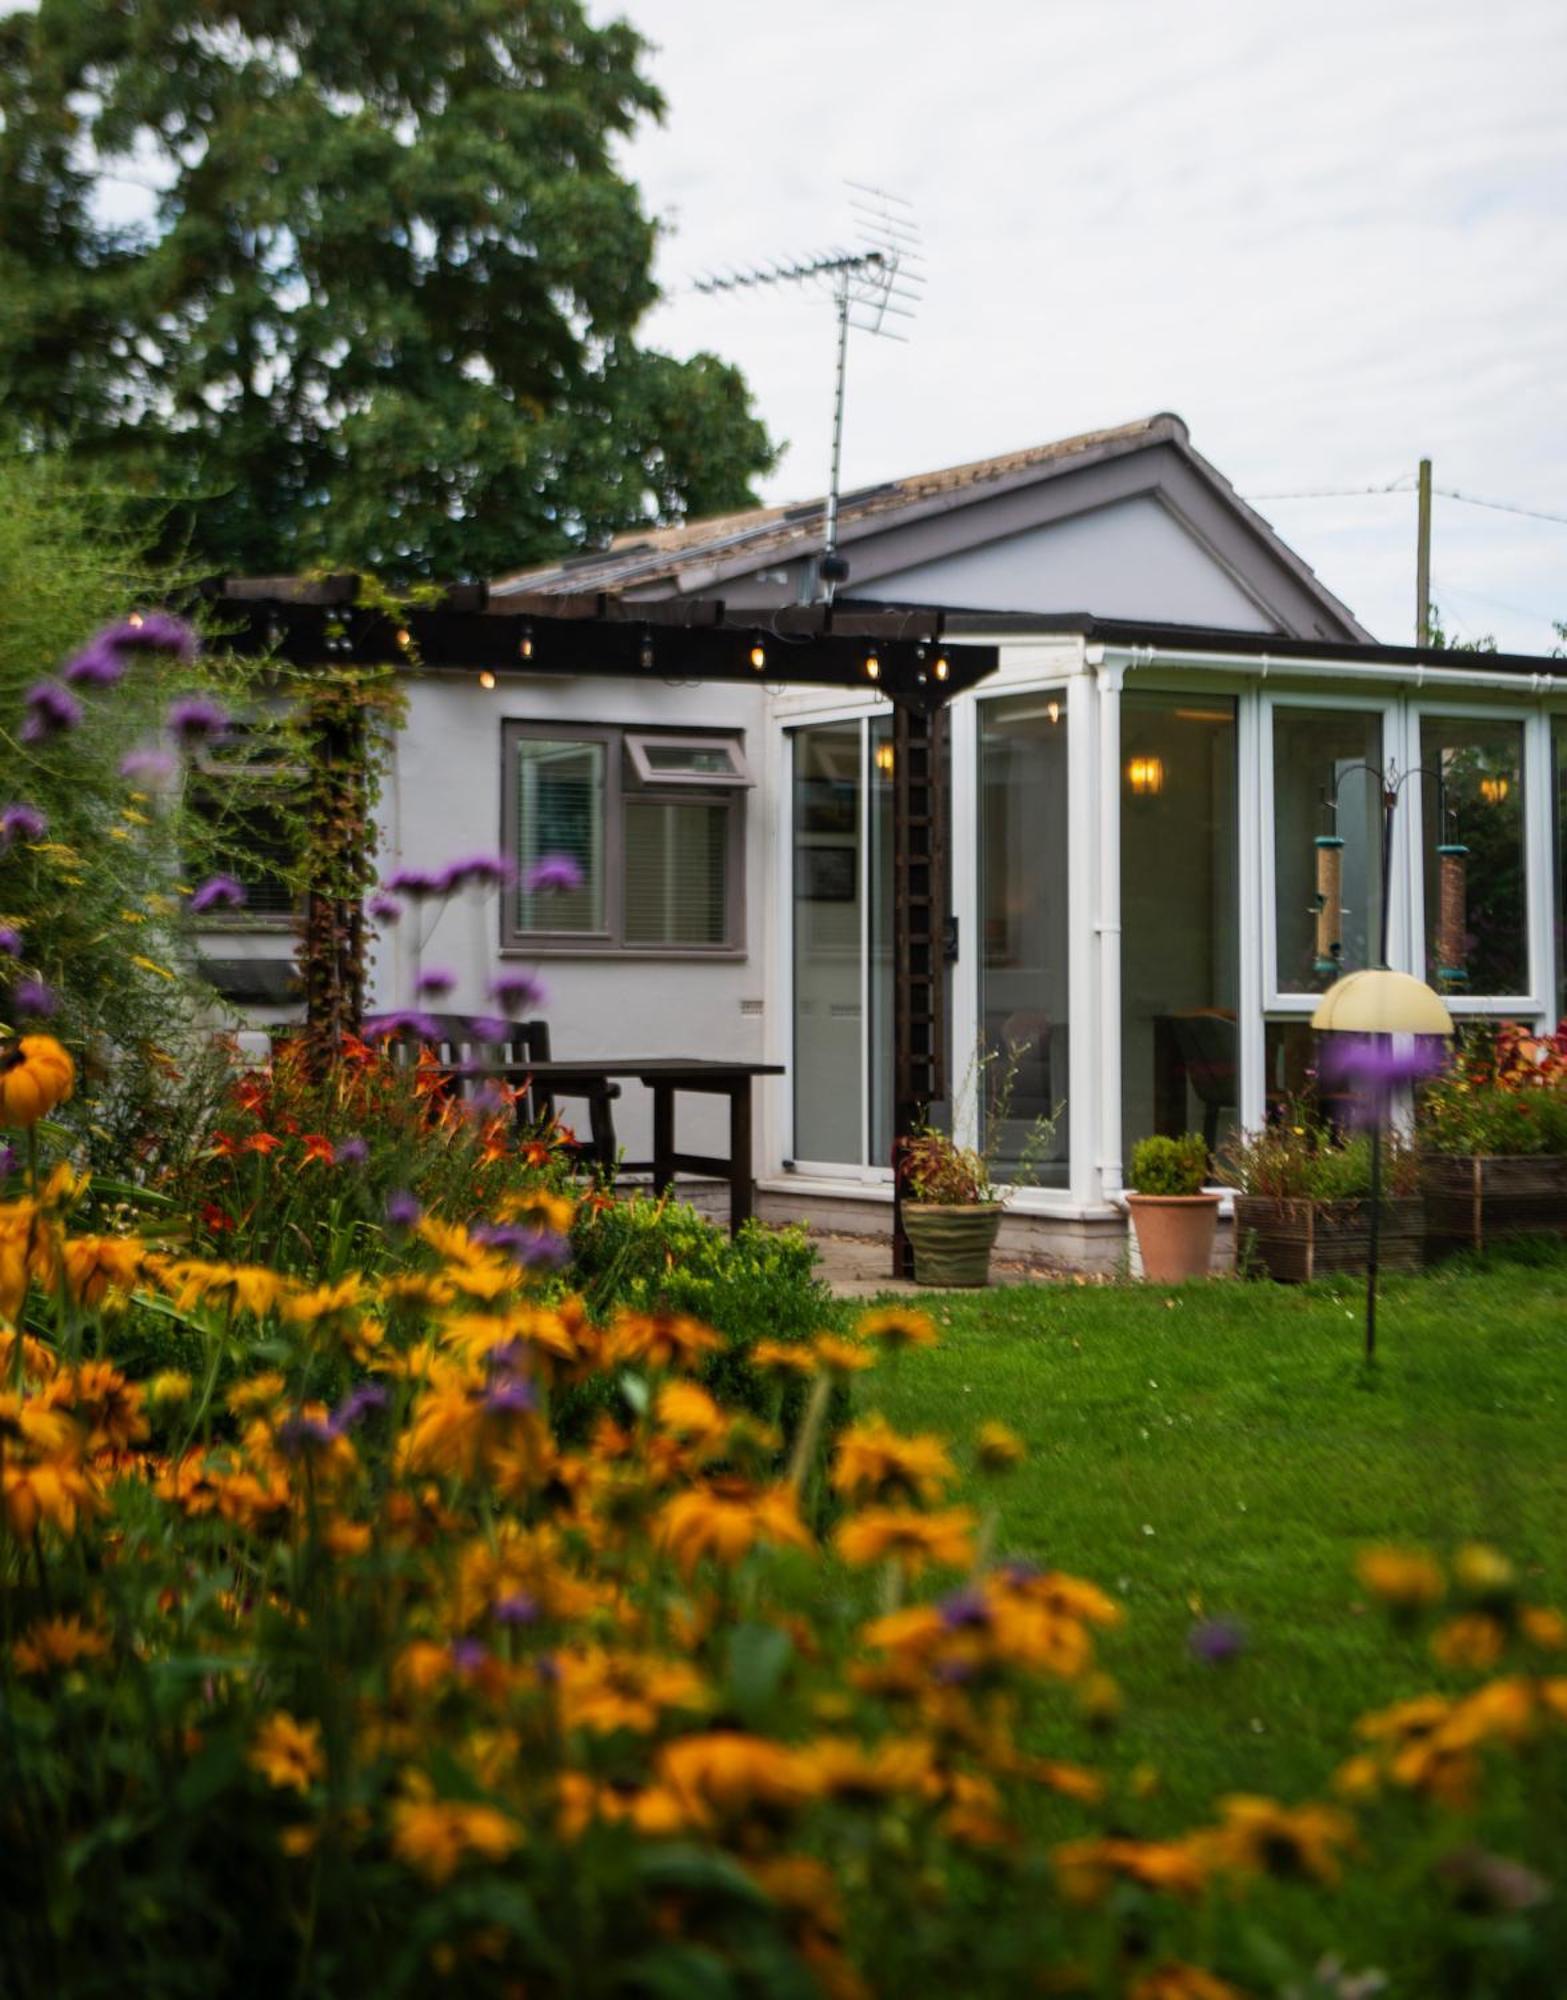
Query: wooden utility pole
x=1423, y=559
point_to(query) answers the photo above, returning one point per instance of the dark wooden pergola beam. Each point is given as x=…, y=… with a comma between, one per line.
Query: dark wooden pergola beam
x=320, y=621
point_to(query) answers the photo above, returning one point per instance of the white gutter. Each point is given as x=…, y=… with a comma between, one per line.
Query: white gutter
x=1264, y=665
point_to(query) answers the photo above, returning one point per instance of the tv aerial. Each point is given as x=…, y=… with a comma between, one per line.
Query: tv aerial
x=873, y=280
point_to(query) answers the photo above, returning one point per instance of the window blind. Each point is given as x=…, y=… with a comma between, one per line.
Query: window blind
x=676, y=872
x=561, y=812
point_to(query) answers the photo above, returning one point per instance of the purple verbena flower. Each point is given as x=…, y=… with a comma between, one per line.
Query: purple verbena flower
x=195, y=719
x=509, y=1396
x=469, y=1654
x=96, y=665
x=964, y=1607
x=413, y=883
x=296, y=1434
x=402, y=1209
x=19, y=822
x=10, y=941
x=556, y=872
x=384, y=908
x=1373, y=1062
x=350, y=1152
x=51, y=709
x=152, y=632
x=519, y=1608
x=476, y=871
x=516, y=991
x=436, y=981
x=154, y=765
x=218, y=892
x=401, y=1021
x=31, y=996
x=491, y=1028
x=8, y=1161
x=1216, y=1641
x=358, y=1403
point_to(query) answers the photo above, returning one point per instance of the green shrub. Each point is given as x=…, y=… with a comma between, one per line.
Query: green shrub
x=1302, y=1159
x=1170, y=1166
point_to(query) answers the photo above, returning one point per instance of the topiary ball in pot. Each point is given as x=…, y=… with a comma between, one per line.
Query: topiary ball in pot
x=1174, y=1218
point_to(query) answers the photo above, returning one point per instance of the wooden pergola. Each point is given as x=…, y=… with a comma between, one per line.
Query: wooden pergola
x=901, y=655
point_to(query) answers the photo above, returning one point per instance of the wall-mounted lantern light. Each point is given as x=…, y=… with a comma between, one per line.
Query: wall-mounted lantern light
x=1145, y=775
x=1494, y=790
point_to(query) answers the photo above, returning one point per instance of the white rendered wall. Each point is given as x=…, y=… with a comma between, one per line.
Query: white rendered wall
x=443, y=800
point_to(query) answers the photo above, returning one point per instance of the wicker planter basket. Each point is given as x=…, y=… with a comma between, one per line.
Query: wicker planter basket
x=1294, y=1241
x=1474, y=1200
x=952, y=1242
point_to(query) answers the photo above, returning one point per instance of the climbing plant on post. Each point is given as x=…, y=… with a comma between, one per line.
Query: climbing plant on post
x=346, y=718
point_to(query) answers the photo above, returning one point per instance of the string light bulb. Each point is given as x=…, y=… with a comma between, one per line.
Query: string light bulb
x=405, y=638
x=885, y=758
x=525, y=643
x=486, y=679
x=136, y=619
x=758, y=655
x=872, y=665
x=942, y=667
x=645, y=651
x=1053, y=710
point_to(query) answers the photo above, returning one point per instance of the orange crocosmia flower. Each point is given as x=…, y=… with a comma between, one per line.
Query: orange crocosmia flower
x=779, y=1357
x=659, y=1340
x=434, y=1837
x=1088, y=1869
x=727, y=1775
x=36, y=1074
x=897, y=1327
x=908, y=1538
x=725, y=1519
x=1292, y=1842
x=107, y=1407
x=603, y=1691
x=841, y=1357
x=263, y=1143
x=317, y=1147
x=56, y=1642
x=1176, y=1981
x=287, y=1752
x=1405, y=1579
x=873, y=1462
x=56, y=1493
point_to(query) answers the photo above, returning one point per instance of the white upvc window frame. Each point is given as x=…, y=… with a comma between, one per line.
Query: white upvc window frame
x=1538, y=920
x=1282, y=1001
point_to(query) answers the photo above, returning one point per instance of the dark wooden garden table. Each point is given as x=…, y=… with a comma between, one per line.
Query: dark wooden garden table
x=667, y=1077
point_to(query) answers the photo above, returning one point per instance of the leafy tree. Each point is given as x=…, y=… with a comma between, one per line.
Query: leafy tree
x=1444, y=641
x=383, y=311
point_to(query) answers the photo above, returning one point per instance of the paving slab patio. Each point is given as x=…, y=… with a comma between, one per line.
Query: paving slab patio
x=860, y=1267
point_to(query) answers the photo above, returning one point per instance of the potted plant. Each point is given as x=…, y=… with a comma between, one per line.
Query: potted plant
x=1493, y=1139
x=1173, y=1216
x=1303, y=1208
x=950, y=1209
x=950, y=1201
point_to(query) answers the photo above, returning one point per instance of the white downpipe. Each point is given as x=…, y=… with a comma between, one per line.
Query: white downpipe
x=1107, y=930
x=1266, y=666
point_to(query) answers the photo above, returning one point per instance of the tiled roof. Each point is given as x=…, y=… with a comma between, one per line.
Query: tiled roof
x=759, y=536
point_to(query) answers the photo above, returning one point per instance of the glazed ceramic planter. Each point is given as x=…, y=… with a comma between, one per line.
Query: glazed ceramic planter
x=952, y=1242
x=1474, y=1200
x=1175, y=1234
x=1294, y=1241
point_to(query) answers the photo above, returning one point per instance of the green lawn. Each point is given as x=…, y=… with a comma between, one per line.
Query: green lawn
x=1220, y=1450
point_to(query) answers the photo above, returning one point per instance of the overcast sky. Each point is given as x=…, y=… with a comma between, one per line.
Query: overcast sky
x=1332, y=236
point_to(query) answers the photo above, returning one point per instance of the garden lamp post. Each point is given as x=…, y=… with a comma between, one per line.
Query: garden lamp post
x=1373, y=1006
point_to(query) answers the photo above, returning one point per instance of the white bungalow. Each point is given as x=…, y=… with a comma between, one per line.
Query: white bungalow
x=1139, y=797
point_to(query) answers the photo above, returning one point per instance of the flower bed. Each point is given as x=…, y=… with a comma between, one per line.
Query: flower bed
x=1494, y=1136
x=1302, y=1209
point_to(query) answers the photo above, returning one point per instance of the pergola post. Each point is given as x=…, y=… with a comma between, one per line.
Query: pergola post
x=919, y=924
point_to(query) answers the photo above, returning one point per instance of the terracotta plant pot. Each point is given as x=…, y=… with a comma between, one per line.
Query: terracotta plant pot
x=1293, y=1241
x=1174, y=1234
x=952, y=1242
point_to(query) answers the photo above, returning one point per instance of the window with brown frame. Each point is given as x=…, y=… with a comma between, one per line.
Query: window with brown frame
x=653, y=819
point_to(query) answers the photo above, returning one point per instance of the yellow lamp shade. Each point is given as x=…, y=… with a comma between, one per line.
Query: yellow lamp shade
x=1378, y=1002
